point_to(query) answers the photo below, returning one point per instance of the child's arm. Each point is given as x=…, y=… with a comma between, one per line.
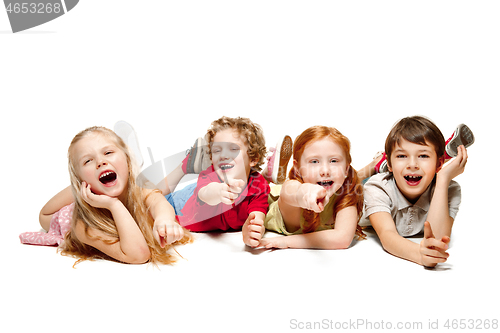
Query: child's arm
x=295, y=196
x=131, y=246
x=305, y=196
x=429, y=252
x=166, y=230
x=216, y=193
x=61, y=199
x=338, y=238
x=438, y=215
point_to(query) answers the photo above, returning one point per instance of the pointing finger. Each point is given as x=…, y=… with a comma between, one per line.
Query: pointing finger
x=428, y=230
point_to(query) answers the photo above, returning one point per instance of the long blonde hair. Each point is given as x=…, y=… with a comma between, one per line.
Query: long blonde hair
x=350, y=194
x=101, y=219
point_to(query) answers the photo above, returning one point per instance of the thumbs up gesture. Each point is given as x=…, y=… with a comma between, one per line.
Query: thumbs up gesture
x=432, y=250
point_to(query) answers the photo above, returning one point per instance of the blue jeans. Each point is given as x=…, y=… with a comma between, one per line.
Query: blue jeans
x=179, y=198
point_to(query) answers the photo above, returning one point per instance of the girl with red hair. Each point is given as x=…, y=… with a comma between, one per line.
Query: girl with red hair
x=320, y=204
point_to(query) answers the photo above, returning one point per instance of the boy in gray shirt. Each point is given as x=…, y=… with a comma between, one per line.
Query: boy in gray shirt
x=417, y=193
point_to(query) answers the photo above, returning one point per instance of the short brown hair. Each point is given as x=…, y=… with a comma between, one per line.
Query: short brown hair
x=418, y=130
x=252, y=134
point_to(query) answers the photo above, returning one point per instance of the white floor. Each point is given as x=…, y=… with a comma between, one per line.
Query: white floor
x=221, y=283
x=170, y=69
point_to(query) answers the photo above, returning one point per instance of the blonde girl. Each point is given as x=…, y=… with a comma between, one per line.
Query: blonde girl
x=113, y=218
x=320, y=205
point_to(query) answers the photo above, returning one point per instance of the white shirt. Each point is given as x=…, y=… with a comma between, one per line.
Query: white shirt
x=381, y=194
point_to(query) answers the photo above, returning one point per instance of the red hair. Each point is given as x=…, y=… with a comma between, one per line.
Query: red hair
x=351, y=192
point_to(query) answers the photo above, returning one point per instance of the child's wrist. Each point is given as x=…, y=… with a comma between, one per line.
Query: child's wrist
x=166, y=218
x=442, y=180
x=115, y=204
x=208, y=193
x=299, y=197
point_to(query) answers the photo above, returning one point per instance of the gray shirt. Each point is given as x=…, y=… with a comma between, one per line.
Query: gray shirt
x=381, y=194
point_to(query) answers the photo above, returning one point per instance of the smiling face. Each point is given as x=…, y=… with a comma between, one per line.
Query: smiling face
x=99, y=162
x=229, y=156
x=323, y=162
x=413, y=167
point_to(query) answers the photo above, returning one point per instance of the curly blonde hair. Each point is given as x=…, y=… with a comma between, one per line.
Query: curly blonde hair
x=101, y=219
x=251, y=133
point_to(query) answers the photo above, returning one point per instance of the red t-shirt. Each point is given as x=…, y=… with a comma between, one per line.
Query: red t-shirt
x=199, y=216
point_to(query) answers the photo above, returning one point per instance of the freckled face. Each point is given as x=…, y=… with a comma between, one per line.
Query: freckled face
x=323, y=162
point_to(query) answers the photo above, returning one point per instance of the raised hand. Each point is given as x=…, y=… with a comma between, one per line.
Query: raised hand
x=456, y=166
x=226, y=193
x=253, y=229
x=230, y=191
x=432, y=250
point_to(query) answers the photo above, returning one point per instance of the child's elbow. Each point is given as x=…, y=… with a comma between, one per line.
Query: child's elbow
x=339, y=244
x=344, y=244
x=141, y=256
x=44, y=220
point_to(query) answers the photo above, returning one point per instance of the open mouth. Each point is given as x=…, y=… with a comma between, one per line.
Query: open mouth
x=412, y=180
x=107, y=177
x=326, y=183
x=225, y=167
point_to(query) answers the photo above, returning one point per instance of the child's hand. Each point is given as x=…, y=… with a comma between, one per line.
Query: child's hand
x=456, y=166
x=253, y=230
x=230, y=191
x=96, y=200
x=166, y=231
x=313, y=197
x=275, y=242
x=432, y=250
x=226, y=193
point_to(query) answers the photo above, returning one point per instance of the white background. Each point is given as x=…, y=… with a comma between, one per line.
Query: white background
x=171, y=67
